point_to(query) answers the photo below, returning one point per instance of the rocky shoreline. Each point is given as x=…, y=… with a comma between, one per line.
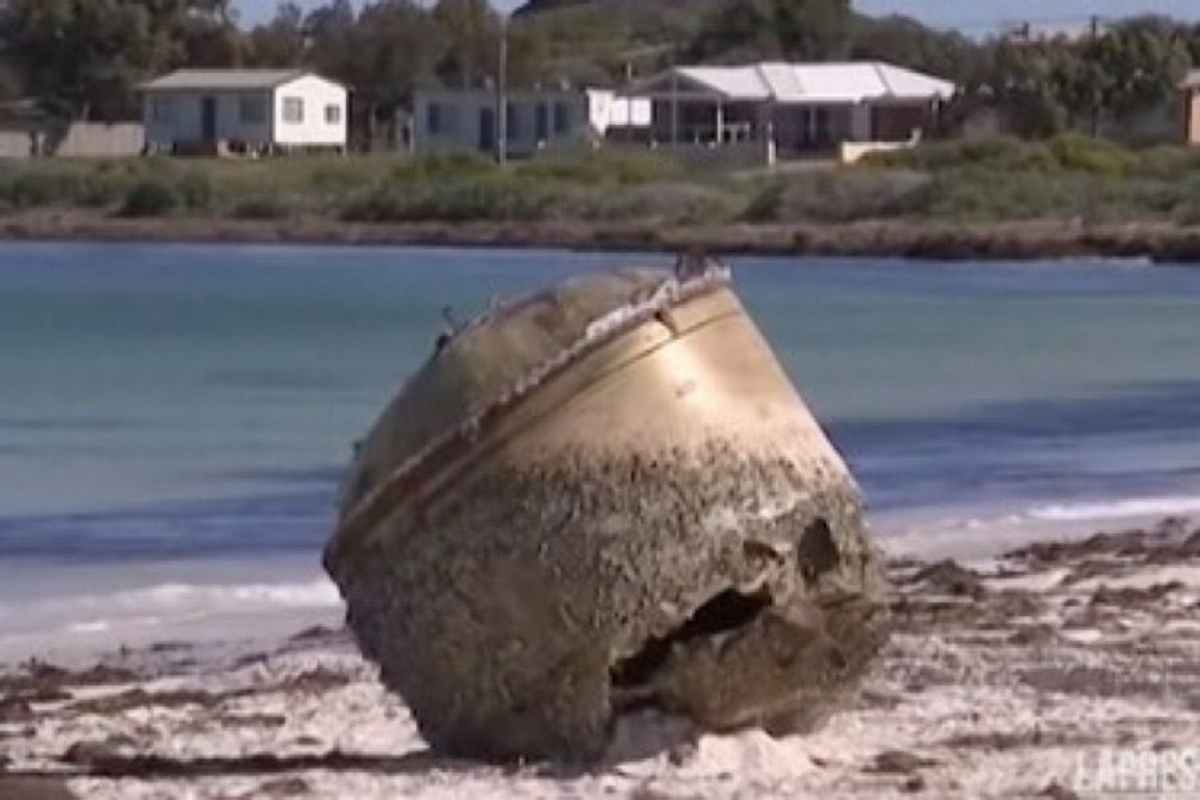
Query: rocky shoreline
x=1024, y=240
x=1029, y=675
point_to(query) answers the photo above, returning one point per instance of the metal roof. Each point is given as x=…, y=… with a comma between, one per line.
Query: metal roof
x=224, y=79
x=832, y=82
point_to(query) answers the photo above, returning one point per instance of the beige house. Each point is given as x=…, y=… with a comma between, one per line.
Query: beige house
x=1190, y=90
x=801, y=107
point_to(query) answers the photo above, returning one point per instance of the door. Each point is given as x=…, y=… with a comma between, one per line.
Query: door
x=208, y=119
x=487, y=129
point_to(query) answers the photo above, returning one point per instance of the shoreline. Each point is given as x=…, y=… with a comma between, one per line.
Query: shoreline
x=1029, y=240
x=1029, y=677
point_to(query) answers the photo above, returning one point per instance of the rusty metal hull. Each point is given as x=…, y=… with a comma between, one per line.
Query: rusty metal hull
x=658, y=521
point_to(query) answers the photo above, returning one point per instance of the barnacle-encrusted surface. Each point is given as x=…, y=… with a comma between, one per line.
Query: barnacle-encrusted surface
x=672, y=531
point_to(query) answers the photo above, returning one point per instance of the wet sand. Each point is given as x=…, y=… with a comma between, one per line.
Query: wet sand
x=1015, y=677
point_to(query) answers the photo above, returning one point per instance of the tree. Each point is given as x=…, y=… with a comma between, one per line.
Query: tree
x=905, y=41
x=471, y=31
x=398, y=45
x=83, y=59
x=1136, y=64
x=281, y=42
x=796, y=30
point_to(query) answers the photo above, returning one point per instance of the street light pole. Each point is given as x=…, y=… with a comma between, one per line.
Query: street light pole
x=502, y=95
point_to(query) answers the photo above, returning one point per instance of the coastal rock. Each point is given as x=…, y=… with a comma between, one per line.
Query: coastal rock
x=603, y=498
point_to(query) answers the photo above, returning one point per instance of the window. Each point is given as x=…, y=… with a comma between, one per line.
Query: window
x=433, y=118
x=333, y=114
x=253, y=110
x=162, y=109
x=293, y=110
x=562, y=116
x=541, y=122
x=514, y=121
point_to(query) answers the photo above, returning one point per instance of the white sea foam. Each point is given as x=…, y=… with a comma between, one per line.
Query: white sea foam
x=85, y=613
x=1133, y=507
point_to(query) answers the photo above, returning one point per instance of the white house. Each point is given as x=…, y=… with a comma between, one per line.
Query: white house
x=537, y=119
x=799, y=106
x=218, y=111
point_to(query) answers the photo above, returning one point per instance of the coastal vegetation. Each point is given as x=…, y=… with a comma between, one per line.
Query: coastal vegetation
x=1072, y=159
x=1069, y=177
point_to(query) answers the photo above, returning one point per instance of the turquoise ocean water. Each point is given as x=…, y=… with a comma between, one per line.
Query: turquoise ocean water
x=174, y=419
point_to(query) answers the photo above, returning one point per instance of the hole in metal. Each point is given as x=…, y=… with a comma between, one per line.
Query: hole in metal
x=727, y=611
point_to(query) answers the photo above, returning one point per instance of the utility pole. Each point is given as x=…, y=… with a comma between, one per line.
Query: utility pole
x=1095, y=34
x=674, y=101
x=502, y=96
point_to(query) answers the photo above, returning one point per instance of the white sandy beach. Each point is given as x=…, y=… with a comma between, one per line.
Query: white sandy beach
x=1063, y=670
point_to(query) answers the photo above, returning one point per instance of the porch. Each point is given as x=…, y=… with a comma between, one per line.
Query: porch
x=797, y=129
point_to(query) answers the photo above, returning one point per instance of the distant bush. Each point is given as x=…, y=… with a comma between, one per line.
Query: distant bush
x=1001, y=152
x=841, y=195
x=1085, y=154
x=603, y=166
x=973, y=193
x=196, y=190
x=765, y=201
x=1168, y=162
x=261, y=207
x=1070, y=151
x=460, y=199
x=150, y=198
x=670, y=203
x=443, y=165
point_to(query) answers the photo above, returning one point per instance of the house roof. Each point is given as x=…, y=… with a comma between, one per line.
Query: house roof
x=832, y=82
x=223, y=79
x=1191, y=80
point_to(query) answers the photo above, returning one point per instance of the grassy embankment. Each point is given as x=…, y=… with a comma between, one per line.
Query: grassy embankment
x=995, y=197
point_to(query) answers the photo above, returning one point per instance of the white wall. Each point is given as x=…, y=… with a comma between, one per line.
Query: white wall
x=100, y=140
x=606, y=109
x=317, y=93
x=185, y=122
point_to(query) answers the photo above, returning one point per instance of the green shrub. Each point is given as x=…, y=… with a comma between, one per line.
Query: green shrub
x=262, y=207
x=1000, y=152
x=1098, y=156
x=444, y=165
x=669, y=203
x=28, y=190
x=842, y=195
x=603, y=166
x=1169, y=162
x=150, y=198
x=460, y=199
x=766, y=202
x=196, y=190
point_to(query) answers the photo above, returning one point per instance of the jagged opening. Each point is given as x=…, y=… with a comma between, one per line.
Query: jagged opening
x=727, y=611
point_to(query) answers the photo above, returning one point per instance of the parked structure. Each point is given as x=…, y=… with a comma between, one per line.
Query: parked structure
x=537, y=119
x=219, y=111
x=1190, y=89
x=800, y=107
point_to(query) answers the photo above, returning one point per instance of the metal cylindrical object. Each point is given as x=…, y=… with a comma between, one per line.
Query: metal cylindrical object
x=605, y=496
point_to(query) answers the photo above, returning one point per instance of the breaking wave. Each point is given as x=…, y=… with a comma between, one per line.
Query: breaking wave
x=166, y=601
x=1133, y=507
